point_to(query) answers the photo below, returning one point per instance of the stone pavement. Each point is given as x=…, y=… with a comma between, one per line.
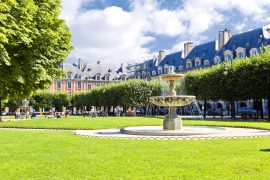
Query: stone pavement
x=230, y=133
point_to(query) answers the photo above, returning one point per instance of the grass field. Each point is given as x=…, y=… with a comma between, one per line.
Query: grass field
x=79, y=122
x=62, y=155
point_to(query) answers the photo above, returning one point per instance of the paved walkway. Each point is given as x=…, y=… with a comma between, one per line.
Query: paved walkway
x=230, y=133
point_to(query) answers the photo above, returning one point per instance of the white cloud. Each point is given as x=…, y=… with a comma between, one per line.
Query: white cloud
x=114, y=35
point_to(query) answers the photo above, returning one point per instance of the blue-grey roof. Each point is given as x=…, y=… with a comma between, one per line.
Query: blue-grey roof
x=203, y=51
x=248, y=40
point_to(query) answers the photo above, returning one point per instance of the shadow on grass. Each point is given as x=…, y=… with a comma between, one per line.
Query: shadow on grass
x=265, y=150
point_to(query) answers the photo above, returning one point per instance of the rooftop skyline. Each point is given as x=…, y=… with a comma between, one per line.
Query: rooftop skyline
x=116, y=31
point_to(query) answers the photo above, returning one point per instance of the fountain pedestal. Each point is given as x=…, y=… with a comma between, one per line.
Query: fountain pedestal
x=172, y=121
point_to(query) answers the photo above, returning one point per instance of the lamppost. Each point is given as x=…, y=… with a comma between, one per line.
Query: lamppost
x=225, y=72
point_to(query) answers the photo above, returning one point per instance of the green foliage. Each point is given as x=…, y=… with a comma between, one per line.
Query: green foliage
x=13, y=104
x=244, y=79
x=33, y=42
x=134, y=92
x=44, y=99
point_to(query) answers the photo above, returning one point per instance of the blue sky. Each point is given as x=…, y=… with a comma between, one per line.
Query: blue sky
x=116, y=31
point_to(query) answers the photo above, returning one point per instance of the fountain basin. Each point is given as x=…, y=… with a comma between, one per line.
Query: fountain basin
x=172, y=77
x=185, y=131
x=172, y=101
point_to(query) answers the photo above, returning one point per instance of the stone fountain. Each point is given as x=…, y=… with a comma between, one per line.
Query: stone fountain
x=172, y=120
x=172, y=124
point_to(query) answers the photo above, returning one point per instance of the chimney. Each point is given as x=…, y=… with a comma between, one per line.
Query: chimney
x=161, y=55
x=80, y=63
x=188, y=46
x=223, y=37
x=123, y=67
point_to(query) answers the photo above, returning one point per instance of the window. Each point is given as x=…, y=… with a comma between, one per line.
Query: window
x=240, y=52
x=107, y=78
x=159, y=70
x=240, y=55
x=197, y=62
x=79, y=84
x=206, y=62
x=69, y=75
x=180, y=68
x=58, y=84
x=69, y=85
x=189, y=64
x=253, y=52
x=89, y=86
x=153, y=73
x=217, y=60
x=123, y=78
x=171, y=69
x=166, y=69
x=98, y=77
x=228, y=57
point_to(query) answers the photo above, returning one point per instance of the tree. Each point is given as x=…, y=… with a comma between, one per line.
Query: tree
x=33, y=42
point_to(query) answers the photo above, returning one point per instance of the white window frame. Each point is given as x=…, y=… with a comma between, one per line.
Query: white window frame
x=79, y=85
x=180, y=68
x=189, y=64
x=153, y=73
x=206, y=62
x=253, y=52
x=227, y=54
x=58, y=84
x=166, y=69
x=217, y=60
x=69, y=85
x=240, y=52
x=197, y=62
x=159, y=70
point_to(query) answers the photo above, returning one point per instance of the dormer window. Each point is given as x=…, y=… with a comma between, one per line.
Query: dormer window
x=180, y=68
x=69, y=75
x=123, y=78
x=171, y=69
x=217, y=60
x=153, y=73
x=197, y=62
x=240, y=52
x=189, y=64
x=159, y=70
x=206, y=62
x=166, y=69
x=253, y=52
x=98, y=77
x=228, y=55
x=107, y=78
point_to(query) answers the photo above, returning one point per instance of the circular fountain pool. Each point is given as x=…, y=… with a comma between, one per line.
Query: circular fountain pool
x=185, y=131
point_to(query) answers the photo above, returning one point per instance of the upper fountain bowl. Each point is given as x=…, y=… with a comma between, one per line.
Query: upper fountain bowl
x=172, y=76
x=172, y=101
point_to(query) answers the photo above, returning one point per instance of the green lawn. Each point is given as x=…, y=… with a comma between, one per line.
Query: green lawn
x=79, y=122
x=61, y=155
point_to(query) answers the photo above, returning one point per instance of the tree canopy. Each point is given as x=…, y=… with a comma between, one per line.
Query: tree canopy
x=34, y=41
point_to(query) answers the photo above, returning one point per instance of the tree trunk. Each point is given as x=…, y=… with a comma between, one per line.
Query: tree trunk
x=0, y=109
x=268, y=107
x=204, y=109
x=232, y=110
x=261, y=104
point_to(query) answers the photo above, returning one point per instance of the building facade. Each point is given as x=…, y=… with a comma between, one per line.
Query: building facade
x=83, y=77
x=225, y=48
